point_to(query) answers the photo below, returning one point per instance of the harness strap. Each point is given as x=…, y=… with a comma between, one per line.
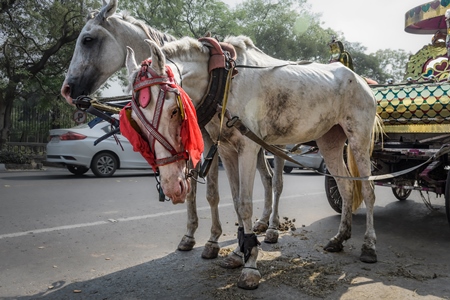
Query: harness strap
x=244, y=130
x=151, y=129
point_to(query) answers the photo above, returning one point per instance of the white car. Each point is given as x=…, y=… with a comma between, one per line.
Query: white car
x=308, y=156
x=74, y=148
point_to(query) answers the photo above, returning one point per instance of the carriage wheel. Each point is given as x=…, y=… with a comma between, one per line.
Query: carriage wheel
x=401, y=193
x=333, y=195
x=447, y=197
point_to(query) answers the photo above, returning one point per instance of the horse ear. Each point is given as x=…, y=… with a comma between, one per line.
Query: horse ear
x=158, y=58
x=107, y=10
x=130, y=62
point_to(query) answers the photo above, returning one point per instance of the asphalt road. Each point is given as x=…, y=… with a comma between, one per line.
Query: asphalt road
x=67, y=237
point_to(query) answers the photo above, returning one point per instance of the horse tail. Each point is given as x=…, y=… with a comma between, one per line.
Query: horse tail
x=377, y=131
x=357, y=186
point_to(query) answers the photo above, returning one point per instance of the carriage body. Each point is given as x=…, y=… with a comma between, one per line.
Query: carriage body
x=416, y=120
x=415, y=115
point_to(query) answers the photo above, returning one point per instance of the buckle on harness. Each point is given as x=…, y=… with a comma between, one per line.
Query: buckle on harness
x=204, y=169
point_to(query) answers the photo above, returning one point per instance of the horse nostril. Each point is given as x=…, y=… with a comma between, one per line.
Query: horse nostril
x=181, y=186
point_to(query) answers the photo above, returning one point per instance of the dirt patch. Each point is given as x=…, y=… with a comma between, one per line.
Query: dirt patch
x=289, y=269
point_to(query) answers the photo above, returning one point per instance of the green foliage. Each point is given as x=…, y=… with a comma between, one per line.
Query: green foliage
x=393, y=62
x=9, y=157
x=37, y=39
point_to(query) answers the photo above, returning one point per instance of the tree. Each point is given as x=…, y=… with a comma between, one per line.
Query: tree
x=285, y=29
x=182, y=17
x=393, y=62
x=35, y=41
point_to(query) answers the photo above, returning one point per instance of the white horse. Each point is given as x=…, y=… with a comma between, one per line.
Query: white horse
x=100, y=51
x=283, y=103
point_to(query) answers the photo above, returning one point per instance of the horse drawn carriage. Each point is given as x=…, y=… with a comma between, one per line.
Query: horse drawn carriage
x=416, y=116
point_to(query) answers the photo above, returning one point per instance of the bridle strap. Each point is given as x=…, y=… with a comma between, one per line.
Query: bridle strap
x=166, y=85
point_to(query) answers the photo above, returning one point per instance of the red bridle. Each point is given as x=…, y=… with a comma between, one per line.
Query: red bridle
x=146, y=78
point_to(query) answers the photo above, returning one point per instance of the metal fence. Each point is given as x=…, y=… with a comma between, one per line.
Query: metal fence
x=31, y=124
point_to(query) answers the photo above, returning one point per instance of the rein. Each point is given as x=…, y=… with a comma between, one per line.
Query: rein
x=298, y=63
x=244, y=130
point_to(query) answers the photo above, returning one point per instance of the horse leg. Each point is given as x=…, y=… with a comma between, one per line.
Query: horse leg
x=331, y=146
x=188, y=240
x=187, y=243
x=235, y=259
x=362, y=159
x=212, y=247
x=241, y=171
x=277, y=184
x=265, y=172
x=250, y=275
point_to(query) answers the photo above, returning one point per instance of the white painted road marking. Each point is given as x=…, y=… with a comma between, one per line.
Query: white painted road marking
x=136, y=218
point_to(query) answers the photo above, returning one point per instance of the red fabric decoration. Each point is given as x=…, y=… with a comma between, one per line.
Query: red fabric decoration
x=132, y=133
x=191, y=135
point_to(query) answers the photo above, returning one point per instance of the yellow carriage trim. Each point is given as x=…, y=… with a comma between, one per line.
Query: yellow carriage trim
x=430, y=60
x=417, y=108
x=427, y=18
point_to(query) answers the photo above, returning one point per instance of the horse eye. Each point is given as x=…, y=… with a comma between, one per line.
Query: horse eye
x=174, y=113
x=87, y=40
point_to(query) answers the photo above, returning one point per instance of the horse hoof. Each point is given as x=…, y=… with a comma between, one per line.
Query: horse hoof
x=333, y=247
x=271, y=236
x=260, y=226
x=249, y=279
x=186, y=244
x=211, y=250
x=232, y=261
x=368, y=255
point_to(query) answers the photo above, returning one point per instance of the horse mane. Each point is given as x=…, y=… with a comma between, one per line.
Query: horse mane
x=243, y=42
x=157, y=36
x=183, y=47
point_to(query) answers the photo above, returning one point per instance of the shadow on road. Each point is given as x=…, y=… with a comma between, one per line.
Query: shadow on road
x=412, y=248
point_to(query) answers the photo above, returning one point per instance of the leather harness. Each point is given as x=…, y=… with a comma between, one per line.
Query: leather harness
x=221, y=63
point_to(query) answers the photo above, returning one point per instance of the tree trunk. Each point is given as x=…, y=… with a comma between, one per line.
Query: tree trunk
x=6, y=105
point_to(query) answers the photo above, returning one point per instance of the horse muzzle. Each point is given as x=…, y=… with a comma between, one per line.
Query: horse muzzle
x=177, y=189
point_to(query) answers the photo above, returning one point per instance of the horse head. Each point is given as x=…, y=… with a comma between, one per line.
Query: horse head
x=96, y=57
x=161, y=122
x=100, y=49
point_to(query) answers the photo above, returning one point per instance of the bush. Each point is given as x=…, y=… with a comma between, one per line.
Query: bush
x=8, y=157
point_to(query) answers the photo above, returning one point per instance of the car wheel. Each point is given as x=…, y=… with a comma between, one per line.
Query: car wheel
x=77, y=170
x=104, y=164
x=323, y=167
x=287, y=170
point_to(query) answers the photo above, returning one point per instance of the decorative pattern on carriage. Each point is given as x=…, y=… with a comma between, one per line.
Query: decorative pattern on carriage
x=415, y=115
x=421, y=103
x=414, y=108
